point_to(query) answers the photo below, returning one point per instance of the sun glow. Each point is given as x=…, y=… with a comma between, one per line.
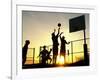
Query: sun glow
x=60, y=60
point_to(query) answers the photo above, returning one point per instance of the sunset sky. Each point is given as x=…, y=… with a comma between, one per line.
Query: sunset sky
x=38, y=26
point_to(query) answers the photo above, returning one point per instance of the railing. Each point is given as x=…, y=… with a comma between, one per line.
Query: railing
x=31, y=56
x=75, y=52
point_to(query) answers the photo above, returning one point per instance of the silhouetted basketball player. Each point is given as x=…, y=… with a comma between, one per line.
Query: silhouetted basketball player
x=55, y=45
x=43, y=55
x=48, y=56
x=63, y=47
x=24, y=51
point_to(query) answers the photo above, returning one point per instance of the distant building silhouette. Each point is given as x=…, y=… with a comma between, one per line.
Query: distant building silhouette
x=24, y=51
